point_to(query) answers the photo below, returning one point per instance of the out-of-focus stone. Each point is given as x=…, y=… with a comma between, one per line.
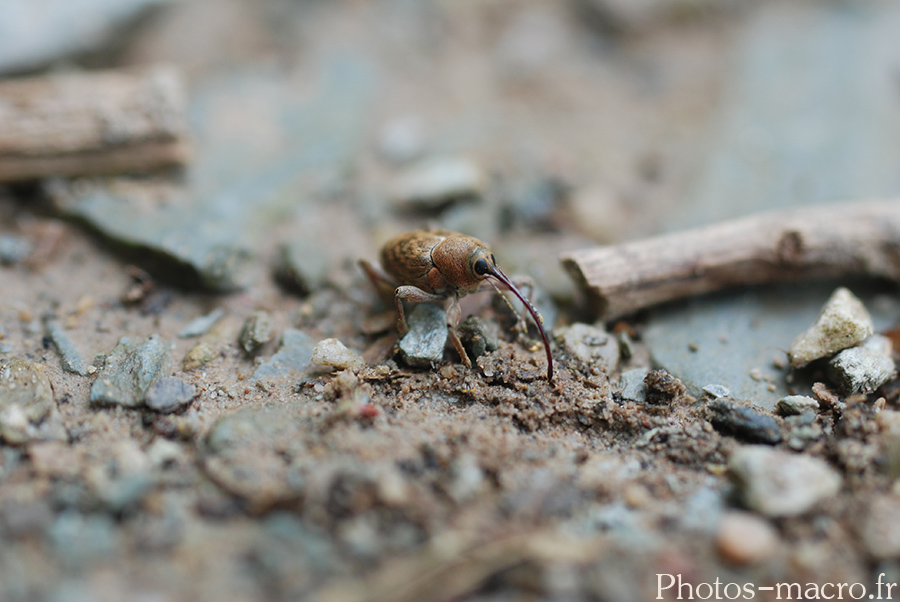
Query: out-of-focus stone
x=793, y=405
x=781, y=484
x=169, y=394
x=743, y=422
x=256, y=332
x=745, y=539
x=434, y=183
x=27, y=410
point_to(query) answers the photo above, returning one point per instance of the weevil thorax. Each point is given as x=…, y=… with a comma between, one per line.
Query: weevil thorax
x=454, y=257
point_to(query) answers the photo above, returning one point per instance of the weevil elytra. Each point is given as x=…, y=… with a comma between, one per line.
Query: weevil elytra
x=435, y=265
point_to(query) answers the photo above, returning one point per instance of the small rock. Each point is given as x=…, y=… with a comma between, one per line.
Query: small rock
x=716, y=391
x=781, y=484
x=80, y=539
x=863, y=369
x=744, y=539
x=257, y=331
x=466, y=478
x=402, y=139
x=479, y=336
x=300, y=267
x=331, y=352
x=71, y=359
x=633, y=386
x=200, y=326
x=163, y=452
x=590, y=345
x=434, y=183
x=130, y=369
x=14, y=249
x=794, y=405
x=842, y=323
x=663, y=387
x=880, y=527
x=27, y=410
x=169, y=394
x=423, y=346
x=743, y=423
x=290, y=361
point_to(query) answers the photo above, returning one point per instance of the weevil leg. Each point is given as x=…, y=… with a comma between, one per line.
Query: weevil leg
x=383, y=283
x=414, y=294
x=453, y=314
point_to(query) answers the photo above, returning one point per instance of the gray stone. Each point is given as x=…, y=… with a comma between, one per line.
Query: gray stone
x=300, y=266
x=633, y=386
x=715, y=391
x=256, y=332
x=130, y=369
x=863, y=369
x=433, y=183
x=331, y=352
x=402, y=139
x=14, y=249
x=80, y=540
x=27, y=410
x=201, y=325
x=70, y=357
x=879, y=527
x=743, y=423
x=291, y=360
x=770, y=150
x=794, y=405
x=842, y=323
x=479, y=336
x=169, y=394
x=590, y=345
x=32, y=35
x=781, y=484
x=725, y=338
x=423, y=346
x=205, y=233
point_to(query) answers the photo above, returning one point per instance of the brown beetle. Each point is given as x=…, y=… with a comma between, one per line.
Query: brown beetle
x=434, y=265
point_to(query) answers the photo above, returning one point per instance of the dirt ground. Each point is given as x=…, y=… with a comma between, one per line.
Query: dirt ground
x=391, y=483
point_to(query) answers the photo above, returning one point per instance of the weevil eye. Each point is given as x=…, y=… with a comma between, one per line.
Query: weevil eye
x=481, y=267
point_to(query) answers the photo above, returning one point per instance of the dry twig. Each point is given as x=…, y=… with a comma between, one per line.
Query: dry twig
x=825, y=241
x=92, y=123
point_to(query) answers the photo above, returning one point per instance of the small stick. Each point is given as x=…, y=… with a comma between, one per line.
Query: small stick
x=823, y=241
x=93, y=123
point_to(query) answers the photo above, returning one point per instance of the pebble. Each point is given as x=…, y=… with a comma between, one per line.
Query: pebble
x=591, y=345
x=745, y=539
x=300, y=267
x=743, y=422
x=633, y=386
x=70, y=358
x=794, y=405
x=479, y=336
x=402, y=139
x=290, y=361
x=163, y=452
x=423, y=346
x=662, y=386
x=331, y=352
x=880, y=527
x=843, y=322
x=27, y=409
x=716, y=391
x=132, y=366
x=257, y=331
x=863, y=369
x=169, y=394
x=781, y=484
x=434, y=183
x=200, y=326
x=14, y=249
x=80, y=539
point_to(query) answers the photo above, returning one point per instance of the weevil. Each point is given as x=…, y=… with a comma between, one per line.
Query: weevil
x=425, y=266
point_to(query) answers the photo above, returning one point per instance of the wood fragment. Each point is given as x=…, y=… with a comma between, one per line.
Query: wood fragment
x=96, y=123
x=824, y=241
